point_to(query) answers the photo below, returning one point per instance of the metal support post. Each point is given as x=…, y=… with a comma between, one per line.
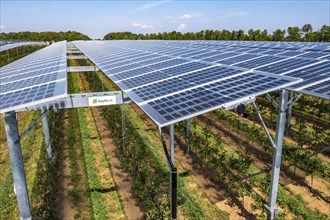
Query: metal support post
x=188, y=135
x=173, y=177
x=174, y=188
x=272, y=207
x=17, y=165
x=290, y=112
x=123, y=126
x=47, y=137
x=172, y=142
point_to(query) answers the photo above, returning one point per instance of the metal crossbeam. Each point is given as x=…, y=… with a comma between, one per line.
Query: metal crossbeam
x=76, y=57
x=81, y=100
x=74, y=51
x=75, y=69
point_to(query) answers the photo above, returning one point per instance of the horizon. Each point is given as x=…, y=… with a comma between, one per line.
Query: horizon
x=97, y=18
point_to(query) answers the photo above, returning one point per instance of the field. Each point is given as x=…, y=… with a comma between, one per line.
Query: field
x=98, y=176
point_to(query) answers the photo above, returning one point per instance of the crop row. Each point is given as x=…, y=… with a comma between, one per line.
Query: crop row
x=298, y=156
x=100, y=185
x=143, y=158
x=229, y=166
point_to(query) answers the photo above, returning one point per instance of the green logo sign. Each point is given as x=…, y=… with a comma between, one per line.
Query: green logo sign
x=94, y=101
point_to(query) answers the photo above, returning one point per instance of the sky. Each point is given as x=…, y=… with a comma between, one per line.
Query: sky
x=97, y=18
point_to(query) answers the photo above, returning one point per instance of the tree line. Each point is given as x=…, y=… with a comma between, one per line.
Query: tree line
x=305, y=33
x=43, y=36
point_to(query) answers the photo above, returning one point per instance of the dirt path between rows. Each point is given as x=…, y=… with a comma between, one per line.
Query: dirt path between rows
x=63, y=208
x=121, y=178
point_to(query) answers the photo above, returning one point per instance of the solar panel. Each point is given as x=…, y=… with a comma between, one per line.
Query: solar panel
x=220, y=56
x=189, y=103
x=160, y=75
x=238, y=59
x=314, y=55
x=319, y=89
x=180, y=88
x=260, y=61
x=311, y=74
x=287, y=65
x=34, y=79
x=19, y=44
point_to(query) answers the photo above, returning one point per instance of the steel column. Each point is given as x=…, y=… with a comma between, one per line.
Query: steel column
x=172, y=142
x=290, y=112
x=173, y=177
x=123, y=125
x=188, y=135
x=17, y=165
x=272, y=207
x=47, y=137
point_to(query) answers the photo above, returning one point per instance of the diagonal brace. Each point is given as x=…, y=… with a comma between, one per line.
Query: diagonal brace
x=272, y=101
x=32, y=125
x=293, y=100
x=264, y=125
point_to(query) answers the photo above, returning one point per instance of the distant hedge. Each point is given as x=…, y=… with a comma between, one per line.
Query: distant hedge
x=306, y=33
x=44, y=36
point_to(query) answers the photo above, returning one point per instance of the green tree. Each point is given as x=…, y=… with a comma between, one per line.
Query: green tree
x=240, y=35
x=278, y=35
x=294, y=34
x=324, y=33
x=308, y=33
x=264, y=35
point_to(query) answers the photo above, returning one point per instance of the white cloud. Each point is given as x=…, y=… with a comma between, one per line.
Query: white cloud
x=232, y=13
x=150, y=5
x=142, y=25
x=137, y=24
x=146, y=26
x=181, y=27
x=185, y=16
x=2, y=26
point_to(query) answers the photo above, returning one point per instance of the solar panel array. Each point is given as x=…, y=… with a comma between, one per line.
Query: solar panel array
x=5, y=47
x=34, y=79
x=175, y=80
x=307, y=60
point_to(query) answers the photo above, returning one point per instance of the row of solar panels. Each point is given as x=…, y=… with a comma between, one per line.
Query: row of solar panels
x=18, y=44
x=303, y=46
x=312, y=70
x=34, y=79
x=170, y=85
x=169, y=80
